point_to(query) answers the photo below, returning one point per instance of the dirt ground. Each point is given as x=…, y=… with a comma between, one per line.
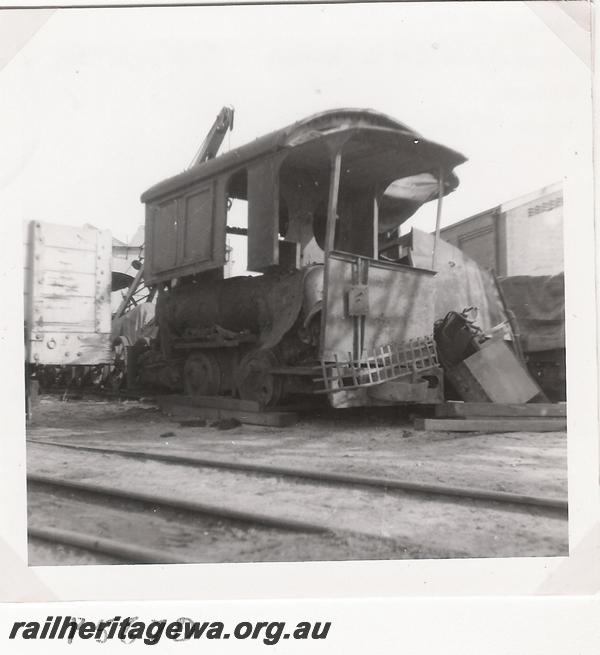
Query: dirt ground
x=367, y=523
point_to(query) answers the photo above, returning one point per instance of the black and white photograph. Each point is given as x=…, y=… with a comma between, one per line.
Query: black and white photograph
x=295, y=280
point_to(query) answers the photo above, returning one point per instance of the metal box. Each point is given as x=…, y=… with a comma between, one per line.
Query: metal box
x=493, y=374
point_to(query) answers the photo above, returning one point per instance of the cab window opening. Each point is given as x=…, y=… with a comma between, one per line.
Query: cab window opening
x=236, y=194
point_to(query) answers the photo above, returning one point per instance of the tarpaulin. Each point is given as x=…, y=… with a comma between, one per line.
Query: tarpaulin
x=538, y=303
x=403, y=197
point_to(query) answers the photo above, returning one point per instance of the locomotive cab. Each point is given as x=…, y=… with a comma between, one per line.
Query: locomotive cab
x=336, y=307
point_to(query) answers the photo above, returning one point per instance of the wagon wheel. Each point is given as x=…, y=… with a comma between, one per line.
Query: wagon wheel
x=113, y=376
x=254, y=378
x=47, y=376
x=201, y=375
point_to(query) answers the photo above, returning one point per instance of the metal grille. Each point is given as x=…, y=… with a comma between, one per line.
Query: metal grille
x=383, y=364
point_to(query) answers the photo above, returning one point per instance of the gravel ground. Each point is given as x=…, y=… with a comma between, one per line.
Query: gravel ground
x=367, y=523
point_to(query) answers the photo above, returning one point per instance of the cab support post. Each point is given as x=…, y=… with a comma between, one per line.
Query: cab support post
x=438, y=218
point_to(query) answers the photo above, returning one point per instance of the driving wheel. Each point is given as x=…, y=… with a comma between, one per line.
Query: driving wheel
x=254, y=378
x=201, y=375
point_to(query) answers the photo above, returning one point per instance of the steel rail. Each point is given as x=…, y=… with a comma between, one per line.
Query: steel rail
x=323, y=477
x=256, y=518
x=118, y=549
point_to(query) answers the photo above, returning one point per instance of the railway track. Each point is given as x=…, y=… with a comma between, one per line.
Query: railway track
x=315, y=536
x=134, y=510
x=119, y=551
x=145, y=527
x=383, y=484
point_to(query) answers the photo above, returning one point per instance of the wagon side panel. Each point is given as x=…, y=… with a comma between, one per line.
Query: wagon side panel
x=67, y=299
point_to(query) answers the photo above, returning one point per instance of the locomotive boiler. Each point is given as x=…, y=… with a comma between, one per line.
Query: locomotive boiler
x=335, y=304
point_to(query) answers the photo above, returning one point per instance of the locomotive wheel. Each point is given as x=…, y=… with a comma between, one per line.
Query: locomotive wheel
x=255, y=381
x=201, y=375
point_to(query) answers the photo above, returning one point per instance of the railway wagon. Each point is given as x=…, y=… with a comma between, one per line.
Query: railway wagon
x=506, y=239
x=334, y=305
x=67, y=285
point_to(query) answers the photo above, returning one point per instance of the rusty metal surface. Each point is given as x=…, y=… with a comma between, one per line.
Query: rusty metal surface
x=266, y=306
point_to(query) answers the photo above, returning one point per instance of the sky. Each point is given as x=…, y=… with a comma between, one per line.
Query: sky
x=100, y=104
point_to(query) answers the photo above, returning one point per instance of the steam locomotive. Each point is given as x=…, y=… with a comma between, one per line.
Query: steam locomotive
x=339, y=304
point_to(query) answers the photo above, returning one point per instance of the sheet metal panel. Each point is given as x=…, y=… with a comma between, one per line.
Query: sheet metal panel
x=460, y=282
x=493, y=374
x=400, y=305
x=185, y=234
x=197, y=241
x=478, y=238
x=163, y=245
x=263, y=215
x=538, y=221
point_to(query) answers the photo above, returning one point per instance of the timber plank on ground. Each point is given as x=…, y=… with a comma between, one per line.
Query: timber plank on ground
x=218, y=402
x=496, y=410
x=523, y=424
x=178, y=410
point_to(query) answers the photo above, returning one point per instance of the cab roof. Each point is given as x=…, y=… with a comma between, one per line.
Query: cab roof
x=378, y=131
